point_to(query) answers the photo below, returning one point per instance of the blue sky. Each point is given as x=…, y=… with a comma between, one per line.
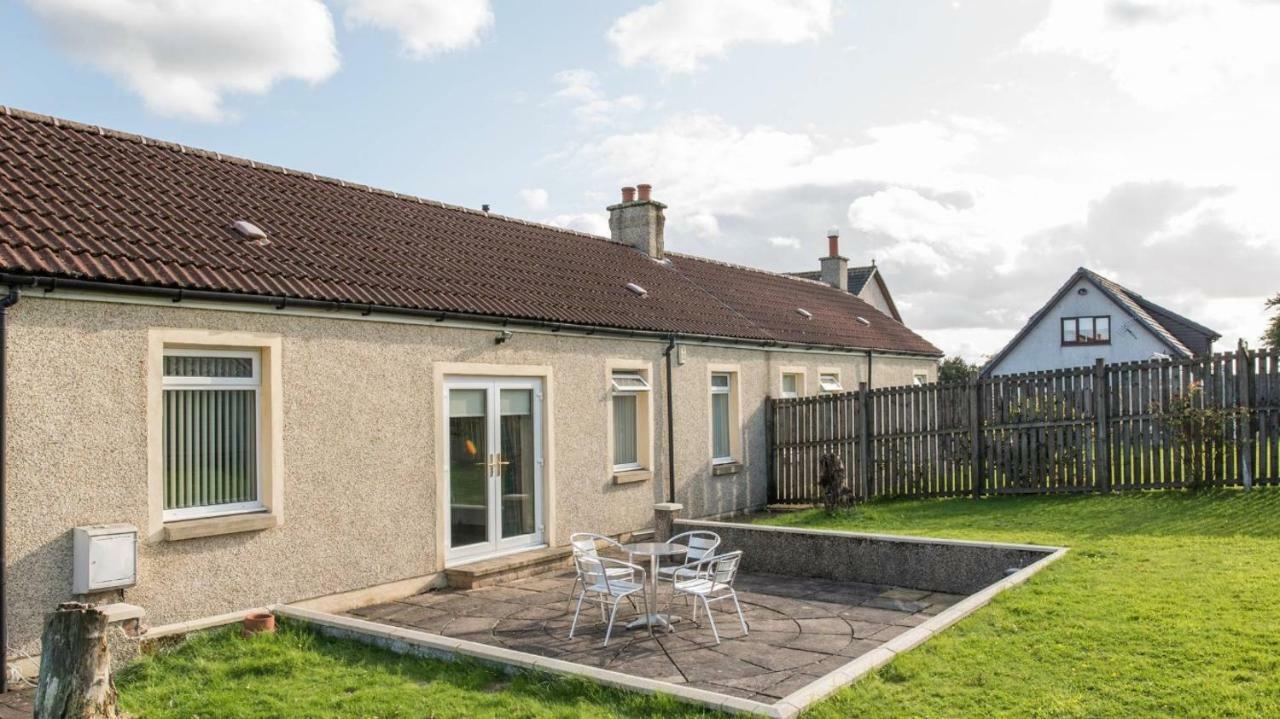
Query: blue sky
x=979, y=151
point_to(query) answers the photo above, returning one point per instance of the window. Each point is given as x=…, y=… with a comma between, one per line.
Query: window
x=1086, y=330
x=830, y=382
x=211, y=439
x=792, y=384
x=721, y=417
x=920, y=379
x=630, y=399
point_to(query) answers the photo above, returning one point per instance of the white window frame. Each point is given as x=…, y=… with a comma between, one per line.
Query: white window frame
x=639, y=386
x=801, y=378
x=254, y=382
x=919, y=379
x=830, y=387
x=733, y=418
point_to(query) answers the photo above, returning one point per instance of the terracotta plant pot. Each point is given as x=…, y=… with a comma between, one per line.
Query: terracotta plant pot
x=258, y=623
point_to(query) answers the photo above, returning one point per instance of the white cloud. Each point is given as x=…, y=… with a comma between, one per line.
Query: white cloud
x=182, y=57
x=591, y=105
x=425, y=27
x=534, y=198
x=1168, y=52
x=786, y=243
x=594, y=223
x=676, y=35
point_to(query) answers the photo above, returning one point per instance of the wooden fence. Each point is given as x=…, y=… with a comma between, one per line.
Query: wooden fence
x=1210, y=421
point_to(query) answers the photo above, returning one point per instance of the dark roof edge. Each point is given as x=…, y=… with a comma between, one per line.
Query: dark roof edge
x=254, y=164
x=48, y=284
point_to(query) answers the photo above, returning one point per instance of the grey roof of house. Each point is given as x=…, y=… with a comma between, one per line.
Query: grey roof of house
x=858, y=276
x=1184, y=337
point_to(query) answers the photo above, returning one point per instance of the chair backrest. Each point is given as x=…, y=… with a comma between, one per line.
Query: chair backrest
x=724, y=568
x=584, y=543
x=591, y=570
x=701, y=544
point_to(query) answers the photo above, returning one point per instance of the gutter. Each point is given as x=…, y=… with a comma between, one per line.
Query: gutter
x=9, y=301
x=280, y=302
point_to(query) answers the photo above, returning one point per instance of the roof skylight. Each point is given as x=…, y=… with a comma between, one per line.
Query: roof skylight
x=250, y=231
x=804, y=313
x=637, y=289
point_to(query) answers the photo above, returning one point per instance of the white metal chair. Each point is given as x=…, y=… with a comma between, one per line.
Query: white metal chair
x=701, y=544
x=713, y=582
x=600, y=588
x=585, y=544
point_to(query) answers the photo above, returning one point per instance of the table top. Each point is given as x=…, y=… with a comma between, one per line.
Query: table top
x=655, y=549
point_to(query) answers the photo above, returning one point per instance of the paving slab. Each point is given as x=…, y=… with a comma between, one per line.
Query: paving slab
x=799, y=629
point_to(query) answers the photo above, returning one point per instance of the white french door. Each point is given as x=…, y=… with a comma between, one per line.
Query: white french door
x=493, y=464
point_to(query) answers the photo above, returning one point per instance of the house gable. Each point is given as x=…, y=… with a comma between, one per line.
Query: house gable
x=1038, y=346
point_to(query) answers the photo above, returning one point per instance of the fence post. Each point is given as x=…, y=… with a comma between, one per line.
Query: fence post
x=1101, y=441
x=864, y=442
x=1244, y=420
x=975, y=437
x=770, y=442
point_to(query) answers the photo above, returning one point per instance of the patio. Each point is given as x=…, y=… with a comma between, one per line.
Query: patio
x=800, y=630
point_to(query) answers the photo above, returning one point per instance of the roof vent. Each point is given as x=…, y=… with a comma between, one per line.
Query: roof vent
x=804, y=313
x=637, y=289
x=864, y=320
x=250, y=231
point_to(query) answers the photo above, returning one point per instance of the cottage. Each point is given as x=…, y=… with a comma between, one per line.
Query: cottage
x=1090, y=318
x=866, y=282
x=294, y=386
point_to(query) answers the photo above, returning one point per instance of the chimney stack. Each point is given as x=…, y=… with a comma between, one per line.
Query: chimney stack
x=638, y=221
x=835, y=269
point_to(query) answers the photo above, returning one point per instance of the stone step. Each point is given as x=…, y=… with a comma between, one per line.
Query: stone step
x=544, y=560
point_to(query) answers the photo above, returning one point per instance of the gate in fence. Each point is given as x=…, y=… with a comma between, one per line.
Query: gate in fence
x=1209, y=421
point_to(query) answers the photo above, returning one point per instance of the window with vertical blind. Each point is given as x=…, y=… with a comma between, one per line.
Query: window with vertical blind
x=212, y=413
x=629, y=388
x=721, y=417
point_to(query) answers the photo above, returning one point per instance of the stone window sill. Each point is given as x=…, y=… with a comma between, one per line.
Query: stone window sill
x=631, y=476
x=728, y=468
x=214, y=526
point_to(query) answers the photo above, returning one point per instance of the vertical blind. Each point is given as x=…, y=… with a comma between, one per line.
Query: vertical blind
x=720, y=425
x=624, y=430
x=210, y=432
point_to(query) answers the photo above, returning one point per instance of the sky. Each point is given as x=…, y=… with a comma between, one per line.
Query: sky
x=979, y=152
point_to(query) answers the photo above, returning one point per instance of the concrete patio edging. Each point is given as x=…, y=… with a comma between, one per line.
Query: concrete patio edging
x=823, y=687
x=409, y=641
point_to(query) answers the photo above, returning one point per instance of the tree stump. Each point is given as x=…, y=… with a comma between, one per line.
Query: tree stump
x=75, y=666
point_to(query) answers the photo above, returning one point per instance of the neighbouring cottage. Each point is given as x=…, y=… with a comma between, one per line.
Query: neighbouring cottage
x=294, y=386
x=1091, y=318
x=865, y=282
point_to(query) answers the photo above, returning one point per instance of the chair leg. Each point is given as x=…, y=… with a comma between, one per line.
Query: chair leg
x=741, y=619
x=609, y=629
x=574, y=588
x=710, y=619
x=576, y=612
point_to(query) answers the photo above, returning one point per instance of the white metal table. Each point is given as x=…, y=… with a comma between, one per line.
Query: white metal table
x=654, y=550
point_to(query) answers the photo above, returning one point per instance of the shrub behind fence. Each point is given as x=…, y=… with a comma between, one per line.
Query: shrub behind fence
x=1209, y=421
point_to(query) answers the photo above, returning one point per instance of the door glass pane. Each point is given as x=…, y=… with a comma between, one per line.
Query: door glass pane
x=468, y=478
x=720, y=426
x=624, y=429
x=519, y=456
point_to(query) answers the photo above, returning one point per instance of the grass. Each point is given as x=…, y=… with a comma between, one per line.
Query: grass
x=1167, y=605
x=298, y=673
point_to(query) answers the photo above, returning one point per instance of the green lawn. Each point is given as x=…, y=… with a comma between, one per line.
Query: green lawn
x=298, y=673
x=1168, y=605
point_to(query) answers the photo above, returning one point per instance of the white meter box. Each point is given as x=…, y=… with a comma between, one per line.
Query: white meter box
x=106, y=557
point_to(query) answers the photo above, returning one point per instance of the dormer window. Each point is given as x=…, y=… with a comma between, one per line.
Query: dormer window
x=1094, y=330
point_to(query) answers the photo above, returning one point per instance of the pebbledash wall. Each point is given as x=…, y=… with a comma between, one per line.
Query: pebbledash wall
x=359, y=478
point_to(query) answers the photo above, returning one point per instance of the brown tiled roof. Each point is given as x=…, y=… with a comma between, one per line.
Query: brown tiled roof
x=85, y=203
